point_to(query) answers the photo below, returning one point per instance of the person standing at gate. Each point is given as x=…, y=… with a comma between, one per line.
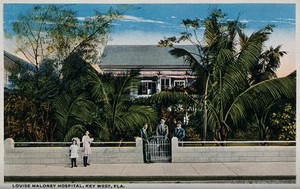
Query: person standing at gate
x=162, y=132
x=179, y=132
x=86, y=147
x=73, y=153
x=144, y=136
x=162, y=129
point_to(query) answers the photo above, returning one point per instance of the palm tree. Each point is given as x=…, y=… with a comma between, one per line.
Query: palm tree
x=118, y=114
x=265, y=69
x=74, y=108
x=217, y=35
x=89, y=101
x=226, y=72
x=73, y=113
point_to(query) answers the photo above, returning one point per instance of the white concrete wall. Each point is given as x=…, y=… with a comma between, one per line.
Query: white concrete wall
x=60, y=155
x=119, y=155
x=232, y=153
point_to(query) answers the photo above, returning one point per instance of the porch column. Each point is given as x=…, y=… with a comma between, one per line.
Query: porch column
x=158, y=85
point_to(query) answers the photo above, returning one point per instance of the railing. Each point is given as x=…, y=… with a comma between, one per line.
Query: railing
x=114, y=144
x=66, y=144
x=181, y=143
x=237, y=143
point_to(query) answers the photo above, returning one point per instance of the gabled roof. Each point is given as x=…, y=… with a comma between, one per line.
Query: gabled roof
x=141, y=56
x=12, y=61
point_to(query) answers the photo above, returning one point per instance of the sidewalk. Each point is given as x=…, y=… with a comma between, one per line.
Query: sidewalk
x=156, y=172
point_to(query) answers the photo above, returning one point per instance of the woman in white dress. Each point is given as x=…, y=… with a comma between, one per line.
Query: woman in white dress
x=86, y=147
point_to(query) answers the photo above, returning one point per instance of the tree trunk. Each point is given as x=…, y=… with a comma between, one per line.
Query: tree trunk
x=221, y=134
x=205, y=111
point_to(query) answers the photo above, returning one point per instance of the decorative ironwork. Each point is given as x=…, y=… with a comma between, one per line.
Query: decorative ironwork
x=158, y=149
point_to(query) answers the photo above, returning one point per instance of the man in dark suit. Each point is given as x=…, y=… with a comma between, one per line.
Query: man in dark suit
x=144, y=136
x=179, y=132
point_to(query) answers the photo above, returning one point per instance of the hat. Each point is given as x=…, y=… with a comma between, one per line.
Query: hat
x=179, y=122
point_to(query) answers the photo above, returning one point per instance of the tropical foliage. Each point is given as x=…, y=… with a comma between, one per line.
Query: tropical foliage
x=21, y=120
x=29, y=108
x=285, y=122
x=236, y=78
x=47, y=36
x=117, y=112
x=236, y=88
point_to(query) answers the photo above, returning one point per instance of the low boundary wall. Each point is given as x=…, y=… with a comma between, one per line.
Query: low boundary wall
x=60, y=155
x=215, y=154
x=120, y=155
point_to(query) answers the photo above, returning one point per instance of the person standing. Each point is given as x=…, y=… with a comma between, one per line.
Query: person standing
x=162, y=129
x=179, y=132
x=144, y=136
x=86, y=147
x=73, y=152
x=162, y=132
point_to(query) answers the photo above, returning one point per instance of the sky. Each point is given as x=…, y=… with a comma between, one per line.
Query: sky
x=146, y=24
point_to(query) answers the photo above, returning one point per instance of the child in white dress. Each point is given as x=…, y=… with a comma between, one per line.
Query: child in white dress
x=73, y=153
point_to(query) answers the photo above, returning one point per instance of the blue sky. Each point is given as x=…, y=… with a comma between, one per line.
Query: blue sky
x=166, y=18
x=148, y=23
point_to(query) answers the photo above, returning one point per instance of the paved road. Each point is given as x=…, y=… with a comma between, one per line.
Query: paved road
x=253, y=172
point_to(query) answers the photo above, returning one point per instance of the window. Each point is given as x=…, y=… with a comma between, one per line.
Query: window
x=147, y=87
x=179, y=83
x=165, y=83
x=8, y=78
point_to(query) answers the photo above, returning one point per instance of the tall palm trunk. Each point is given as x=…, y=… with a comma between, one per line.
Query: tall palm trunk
x=205, y=111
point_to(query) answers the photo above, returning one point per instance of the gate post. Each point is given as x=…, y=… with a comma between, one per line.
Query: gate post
x=139, y=149
x=174, y=149
x=9, y=145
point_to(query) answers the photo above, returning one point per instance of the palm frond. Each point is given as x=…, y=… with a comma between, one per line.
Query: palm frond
x=236, y=75
x=74, y=131
x=189, y=59
x=72, y=110
x=137, y=115
x=261, y=95
x=98, y=89
x=102, y=130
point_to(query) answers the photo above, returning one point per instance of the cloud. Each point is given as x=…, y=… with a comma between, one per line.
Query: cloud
x=245, y=21
x=81, y=18
x=287, y=19
x=277, y=20
x=128, y=18
x=282, y=22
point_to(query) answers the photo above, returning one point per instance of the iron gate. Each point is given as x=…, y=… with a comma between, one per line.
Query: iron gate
x=158, y=149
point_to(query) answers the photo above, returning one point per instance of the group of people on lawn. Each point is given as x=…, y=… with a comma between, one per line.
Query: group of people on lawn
x=162, y=131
